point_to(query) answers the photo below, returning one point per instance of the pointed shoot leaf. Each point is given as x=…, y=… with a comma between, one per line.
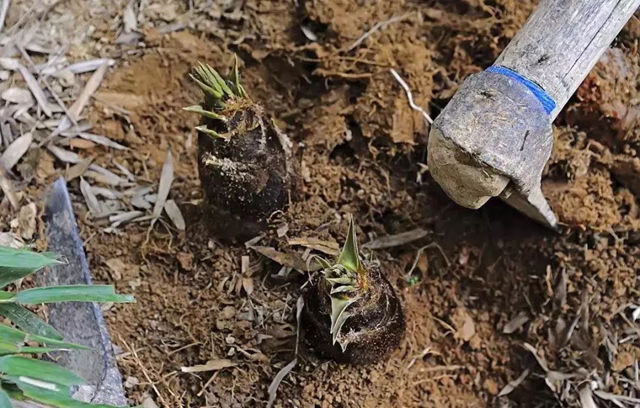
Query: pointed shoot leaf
x=338, y=314
x=349, y=257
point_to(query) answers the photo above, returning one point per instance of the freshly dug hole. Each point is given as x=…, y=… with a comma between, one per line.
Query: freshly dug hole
x=352, y=314
x=244, y=160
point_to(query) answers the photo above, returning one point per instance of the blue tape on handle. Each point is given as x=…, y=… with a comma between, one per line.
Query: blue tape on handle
x=547, y=102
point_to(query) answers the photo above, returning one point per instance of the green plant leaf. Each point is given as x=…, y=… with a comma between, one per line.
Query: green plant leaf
x=28, y=321
x=7, y=349
x=57, y=399
x=5, y=402
x=15, y=366
x=71, y=293
x=339, y=315
x=18, y=263
x=201, y=111
x=349, y=257
x=17, y=337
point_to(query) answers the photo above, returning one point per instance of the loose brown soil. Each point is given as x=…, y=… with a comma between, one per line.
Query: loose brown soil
x=491, y=283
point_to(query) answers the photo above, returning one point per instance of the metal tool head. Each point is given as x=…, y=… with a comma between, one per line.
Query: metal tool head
x=493, y=140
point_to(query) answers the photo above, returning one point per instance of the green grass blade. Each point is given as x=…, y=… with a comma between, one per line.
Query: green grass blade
x=28, y=321
x=18, y=263
x=15, y=366
x=72, y=293
x=5, y=402
x=59, y=399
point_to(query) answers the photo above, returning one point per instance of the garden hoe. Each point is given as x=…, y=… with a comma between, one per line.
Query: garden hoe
x=494, y=137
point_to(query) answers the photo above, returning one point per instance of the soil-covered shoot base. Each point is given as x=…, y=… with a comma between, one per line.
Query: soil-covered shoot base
x=489, y=296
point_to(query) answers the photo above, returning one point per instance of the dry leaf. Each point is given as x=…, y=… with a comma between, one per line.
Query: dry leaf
x=92, y=201
x=64, y=155
x=464, y=325
x=275, y=384
x=17, y=95
x=106, y=176
x=76, y=108
x=516, y=323
x=327, y=247
x=77, y=170
x=27, y=221
x=211, y=365
x=508, y=389
x=37, y=92
x=291, y=260
x=166, y=178
x=390, y=241
x=173, y=211
x=15, y=151
x=103, y=140
x=90, y=65
x=78, y=143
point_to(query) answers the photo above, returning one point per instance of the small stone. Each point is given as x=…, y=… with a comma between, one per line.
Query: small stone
x=490, y=386
x=131, y=382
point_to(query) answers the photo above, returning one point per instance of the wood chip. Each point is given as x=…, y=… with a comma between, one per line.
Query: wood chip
x=327, y=247
x=173, y=211
x=166, y=178
x=90, y=199
x=391, y=241
x=15, y=151
x=211, y=365
x=17, y=95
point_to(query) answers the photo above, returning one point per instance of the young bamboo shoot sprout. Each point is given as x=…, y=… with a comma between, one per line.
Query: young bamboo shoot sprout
x=352, y=313
x=244, y=160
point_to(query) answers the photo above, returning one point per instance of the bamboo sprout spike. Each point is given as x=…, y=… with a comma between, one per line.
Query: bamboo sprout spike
x=206, y=88
x=349, y=257
x=209, y=114
x=210, y=132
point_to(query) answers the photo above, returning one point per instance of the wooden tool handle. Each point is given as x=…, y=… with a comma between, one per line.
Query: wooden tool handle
x=561, y=42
